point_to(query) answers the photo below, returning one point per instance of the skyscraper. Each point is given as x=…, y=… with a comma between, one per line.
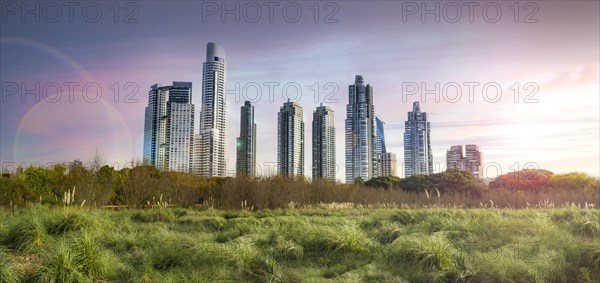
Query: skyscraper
x=155, y=131
x=468, y=159
x=380, y=136
x=169, y=127
x=210, y=158
x=246, y=143
x=290, y=140
x=361, y=135
x=418, y=158
x=388, y=164
x=323, y=144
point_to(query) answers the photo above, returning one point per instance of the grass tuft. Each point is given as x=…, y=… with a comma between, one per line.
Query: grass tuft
x=93, y=261
x=422, y=253
x=61, y=265
x=69, y=223
x=8, y=272
x=27, y=236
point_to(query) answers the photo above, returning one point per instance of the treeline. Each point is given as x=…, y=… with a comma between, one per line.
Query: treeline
x=526, y=180
x=142, y=185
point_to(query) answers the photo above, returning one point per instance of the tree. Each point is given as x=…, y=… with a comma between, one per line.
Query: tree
x=454, y=180
x=140, y=185
x=13, y=190
x=43, y=183
x=385, y=182
x=415, y=183
x=527, y=180
x=573, y=181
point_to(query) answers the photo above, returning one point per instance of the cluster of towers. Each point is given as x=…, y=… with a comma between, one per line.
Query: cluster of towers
x=171, y=144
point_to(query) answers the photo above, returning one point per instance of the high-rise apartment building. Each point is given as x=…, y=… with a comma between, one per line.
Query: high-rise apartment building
x=246, y=143
x=360, y=134
x=323, y=144
x=418, y=158
x=210, y=152
x=169, y=127
x=388, y=164
x=468, y=158
x=290, y=140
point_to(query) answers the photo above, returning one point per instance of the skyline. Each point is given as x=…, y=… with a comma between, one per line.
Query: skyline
x=559, y=132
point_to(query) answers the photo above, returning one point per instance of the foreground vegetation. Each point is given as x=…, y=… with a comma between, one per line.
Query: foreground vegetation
x=71, y=244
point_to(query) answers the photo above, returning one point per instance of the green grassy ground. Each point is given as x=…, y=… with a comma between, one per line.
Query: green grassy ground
x=41, y=244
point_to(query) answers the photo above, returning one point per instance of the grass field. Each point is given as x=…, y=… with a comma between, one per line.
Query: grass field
x=42, y=244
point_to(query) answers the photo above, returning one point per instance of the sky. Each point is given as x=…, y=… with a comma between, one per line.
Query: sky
x=519, y=80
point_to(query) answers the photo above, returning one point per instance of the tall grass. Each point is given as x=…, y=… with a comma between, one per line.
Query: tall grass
x=43, y=244
x=60, y=265
x=8, y=272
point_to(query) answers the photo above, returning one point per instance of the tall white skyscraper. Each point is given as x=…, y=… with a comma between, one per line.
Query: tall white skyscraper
x=361, y=134
x=323, y=144
x=290, y=140
x=418, y=158
x=169, y=127
x=210, y=152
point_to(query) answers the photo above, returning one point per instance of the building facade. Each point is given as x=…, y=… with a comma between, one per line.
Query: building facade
x=388, y=164
x=323, y=144
x=380, y=147
x=246, y=143
x=418, y=158
x=290, y=140
x=360, y=133
x=169, y=127
x=210, y=158
x=468, y=158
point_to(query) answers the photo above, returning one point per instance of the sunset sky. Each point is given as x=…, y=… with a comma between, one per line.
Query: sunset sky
x=557, y=128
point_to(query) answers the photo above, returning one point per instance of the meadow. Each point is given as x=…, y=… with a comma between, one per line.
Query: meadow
x=323, y=243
